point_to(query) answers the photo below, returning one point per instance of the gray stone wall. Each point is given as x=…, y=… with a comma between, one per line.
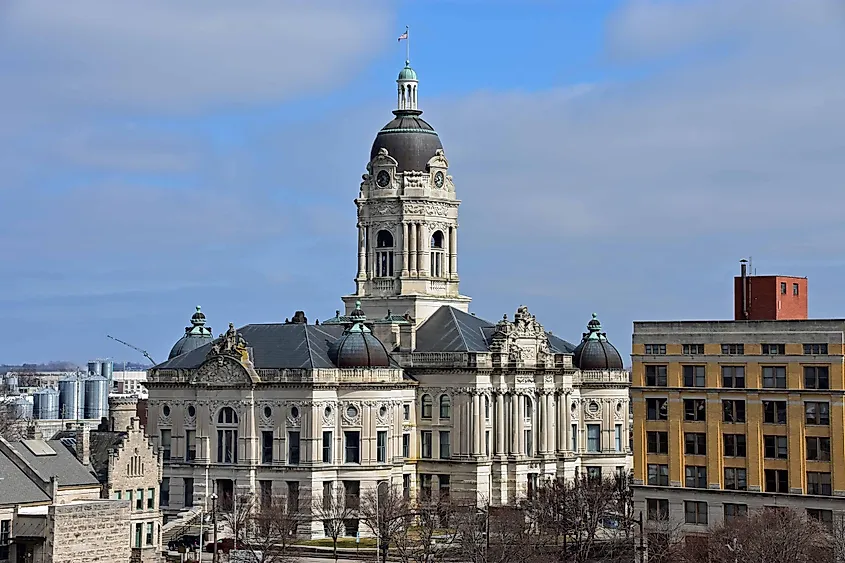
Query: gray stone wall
x=88, y=532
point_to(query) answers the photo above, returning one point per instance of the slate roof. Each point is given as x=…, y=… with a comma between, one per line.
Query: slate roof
x=62, y=463
x=101, y=444
x=452, y=330
x=16, y=487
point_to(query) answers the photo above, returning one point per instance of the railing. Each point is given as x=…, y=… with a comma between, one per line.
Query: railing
x=383, y=285
x=438, y=359
x=598, y=376
x=437, y=286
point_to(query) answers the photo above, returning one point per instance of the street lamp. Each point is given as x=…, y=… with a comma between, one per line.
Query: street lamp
x=214, y=523
x=381, y=544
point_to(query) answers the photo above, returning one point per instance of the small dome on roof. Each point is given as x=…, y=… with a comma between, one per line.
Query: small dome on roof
x=407, y=73
x=195, y=335
x=595, y=352
x=358, y=347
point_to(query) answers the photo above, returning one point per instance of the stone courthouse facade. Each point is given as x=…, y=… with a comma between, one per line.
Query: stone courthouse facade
x=404, y=386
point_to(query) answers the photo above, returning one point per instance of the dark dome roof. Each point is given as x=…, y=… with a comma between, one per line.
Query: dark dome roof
x=594, y=351
x=358, y=347
x=195, y=336
x=409, y=139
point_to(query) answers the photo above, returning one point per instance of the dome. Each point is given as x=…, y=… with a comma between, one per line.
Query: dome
x=595, y=352
x=409, y=139
x=195, y=335
x=407, y=73
x=358, y=347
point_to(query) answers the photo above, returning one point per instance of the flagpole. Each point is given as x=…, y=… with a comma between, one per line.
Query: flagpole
x=408, y=44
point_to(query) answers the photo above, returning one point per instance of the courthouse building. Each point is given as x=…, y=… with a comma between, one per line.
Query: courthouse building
x=404, y=385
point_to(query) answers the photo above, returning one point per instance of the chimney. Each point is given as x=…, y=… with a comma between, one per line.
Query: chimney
x=83, y=444
x=743, y=274
x=54, y=488
x=33, y=433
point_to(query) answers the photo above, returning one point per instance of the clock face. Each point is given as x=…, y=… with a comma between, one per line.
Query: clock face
x=438, y=179
x=383, y=179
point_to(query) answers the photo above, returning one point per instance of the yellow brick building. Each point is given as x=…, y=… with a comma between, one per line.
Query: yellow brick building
x=731, y=416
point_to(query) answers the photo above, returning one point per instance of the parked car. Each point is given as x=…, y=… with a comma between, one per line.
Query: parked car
x=224, y=545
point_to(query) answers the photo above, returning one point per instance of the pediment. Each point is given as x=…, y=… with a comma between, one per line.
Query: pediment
x=222, y=370
x=438, y=160
x=383, y=160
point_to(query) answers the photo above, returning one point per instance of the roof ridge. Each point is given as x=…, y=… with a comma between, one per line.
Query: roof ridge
x=458, y=326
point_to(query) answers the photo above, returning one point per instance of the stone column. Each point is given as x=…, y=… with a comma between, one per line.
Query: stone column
x=412, y=229
x=541, y=424
x=404, y=249
x=477, y=424
x=500, y=424
x=453, y=252
x=362, y=252
x=423, y=249
x=520, y=424
x=513, y=416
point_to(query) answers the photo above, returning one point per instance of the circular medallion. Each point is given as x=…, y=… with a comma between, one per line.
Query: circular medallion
x=594, y=407
x=294, y=412
x=328, y=412
x=439, y=179
x=383, y=179
x=192, y=411
x=351, y=412
x=165, y=410
x=268, y=412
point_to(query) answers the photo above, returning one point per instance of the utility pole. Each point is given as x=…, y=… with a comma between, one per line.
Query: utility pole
x=215, y=558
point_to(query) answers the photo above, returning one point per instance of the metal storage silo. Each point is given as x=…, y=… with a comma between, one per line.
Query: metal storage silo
x=71, y=399
x=12, y=383
x=96, y=398
x=106, y=370
x=45, y=404
x=94, y=367
x=21, y=408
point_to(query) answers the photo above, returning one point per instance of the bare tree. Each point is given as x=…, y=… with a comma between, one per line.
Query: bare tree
x=664, y=539
x=385, y=511
x=837, y=537
x=432, y=537
x=275, y=527
x=495, y=534
x=238, y=517
x=12, y=422
x=333, y=510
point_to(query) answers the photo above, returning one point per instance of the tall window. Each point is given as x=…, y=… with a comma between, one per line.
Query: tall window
x=777, y=480
x=293, y=497
x=426, y=406
x=445, y=444
x=695, y=410
x=381, y=446
x=733, y=410
x=266, y=446
x=574, y=436
x=293, y=448
x=657, y=442
x=164, y=492
x=733, y=376
x=406, y=445
x=165, y=445
x=425, y=444
x=618, y=437
x=327, y=446
x=593, y=437
x=655, y=376
x=774, y=412
x=529, y=407
x=445, y=406
x=657, y=409
x=188, y=489
x=149, y=535
x=437, y=254
x=816, y=377
x=190, y=445
x=352, y=446
x=227, y=436
x=139, y=530
x=529, y=442
x=384, y=254
x=5, y=538
x=694, y=376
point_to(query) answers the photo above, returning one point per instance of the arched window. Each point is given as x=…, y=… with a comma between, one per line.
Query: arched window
x=227, y=436
x=426, y=406
x=437, y=252
x=445, y=406
x=384, y=254
x=487, y=408
x=529, y=407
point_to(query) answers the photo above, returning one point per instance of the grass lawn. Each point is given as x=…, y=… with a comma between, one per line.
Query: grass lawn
x=348, y=543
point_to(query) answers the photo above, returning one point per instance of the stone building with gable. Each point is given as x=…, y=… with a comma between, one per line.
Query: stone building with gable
x=404, y=386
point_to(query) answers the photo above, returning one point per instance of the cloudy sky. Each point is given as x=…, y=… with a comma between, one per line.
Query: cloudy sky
x=612, y=157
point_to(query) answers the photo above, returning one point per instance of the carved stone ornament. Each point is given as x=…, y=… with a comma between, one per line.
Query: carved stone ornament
x=515, y=353
x=265, y=417
x=190, y=421
x=438, y=160
x=431, y=208
x=619, y=410
x=383, y=414
x=384, y=208
x=573, y=410
x=383, y=160
x=164, y=419
x=223, y=371
x=592, y=410
x=230, y=344
x=351, y=413
x=294, y=415
x=329, y=411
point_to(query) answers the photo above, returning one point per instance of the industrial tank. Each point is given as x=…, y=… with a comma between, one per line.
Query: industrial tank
x=106, y=370
x=96, y=398
x=71, y=398
x=21, y=408
x=94, y=367
x=45, y=404
x=11, y=383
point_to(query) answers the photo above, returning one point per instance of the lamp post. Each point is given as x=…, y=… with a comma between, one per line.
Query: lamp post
x=214, y=523
x=381, y=544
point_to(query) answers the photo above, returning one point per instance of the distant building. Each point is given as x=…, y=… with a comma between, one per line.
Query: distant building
x=732, y=416
x=129, y=382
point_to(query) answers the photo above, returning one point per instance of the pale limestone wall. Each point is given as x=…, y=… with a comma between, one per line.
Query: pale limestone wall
x=88, y=532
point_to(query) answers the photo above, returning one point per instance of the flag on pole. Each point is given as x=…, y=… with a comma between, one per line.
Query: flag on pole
x=403, y=36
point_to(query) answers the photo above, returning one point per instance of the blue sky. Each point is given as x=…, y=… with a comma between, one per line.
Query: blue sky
x=612, y=157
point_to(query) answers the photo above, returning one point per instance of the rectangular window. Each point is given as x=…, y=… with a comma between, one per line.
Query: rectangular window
x=574, y=436
x=818, y=448
x=818, y=483
x=529, y=443
x=657, y=509
x=163, y=492
x=293, y=448
x=815, y=349
x=733, y=349
x=293, y=497
x=735, y=511
x=443, y=487
x=151, y=499
x=774, y=377
x=425, y=486
x=695, y=512
x=617, y=435
x=733, y=377
x=5, y=538
x=817, y=413
x=823, y=516
x=406, y=412
x=266, y=446
x=733, y=410
x=227, y=446
x=695, y=443
x=190, y=445
x=328, y=446
x=265, y=492
x=593, y=437
x=783, y=288
x=774, y=447
x=657, y=442
x=352, y=494
x=657, y=409
x=425, y=444
x=655, y=376
x=658, y=474
x=487, y=442
x=735, y=479
x=594, y=473
x=406, y=486
x=381, y=446
x=149, y=534
x=695, y=476
x=777, y=480
x=139, y=532
x=406, y=445
x=734, y=445
x=694, y=376
x=695, y=410
x=188, y=488
x=774, y=349
x=655, y=349
x=816, y=377
x=139, y=499
x=119, y=494
x=795, y=289
x=691, y=349
x=165, y=445
x=352, y=446
x=774, y=412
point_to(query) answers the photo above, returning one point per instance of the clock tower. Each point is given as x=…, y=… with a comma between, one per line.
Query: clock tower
x=407, y=219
